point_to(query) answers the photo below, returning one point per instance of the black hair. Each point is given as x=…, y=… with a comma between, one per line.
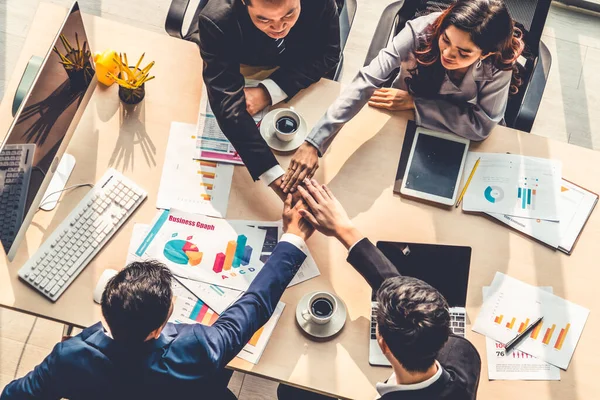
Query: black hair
x=491, y=28
x=413, y=319
x=137, y=300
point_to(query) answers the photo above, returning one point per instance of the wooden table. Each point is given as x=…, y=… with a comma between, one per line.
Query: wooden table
x=359, y=168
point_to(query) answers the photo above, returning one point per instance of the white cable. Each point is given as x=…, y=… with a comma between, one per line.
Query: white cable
x=63, y=190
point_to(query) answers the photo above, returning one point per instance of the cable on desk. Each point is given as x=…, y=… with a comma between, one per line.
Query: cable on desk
x=91, y=185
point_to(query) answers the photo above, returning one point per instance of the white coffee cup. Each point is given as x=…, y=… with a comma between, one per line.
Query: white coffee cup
x=321, y=308
x=286, y=123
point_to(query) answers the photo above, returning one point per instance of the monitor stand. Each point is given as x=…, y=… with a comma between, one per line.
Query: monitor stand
x=58, y=182
x=33, y=67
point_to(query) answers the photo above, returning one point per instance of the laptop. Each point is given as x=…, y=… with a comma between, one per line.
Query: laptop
x=446, y=268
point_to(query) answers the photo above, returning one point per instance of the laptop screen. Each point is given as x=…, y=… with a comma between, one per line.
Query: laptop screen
x=446, y=268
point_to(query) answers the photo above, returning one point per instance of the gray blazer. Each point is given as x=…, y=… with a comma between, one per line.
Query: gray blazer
x=471, y=109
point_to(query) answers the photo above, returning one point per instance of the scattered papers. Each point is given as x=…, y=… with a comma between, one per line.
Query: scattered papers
x=574, y=207
x=308, y=269
x=211, y=143
x=516, y=365
x=190, y=185
x=512, y=305
x=205, y=249
x=216, y=297
x=258, y=343
x=189, y=310
x=514, y=185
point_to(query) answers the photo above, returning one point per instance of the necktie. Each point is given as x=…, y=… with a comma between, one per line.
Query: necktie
x=280, y=44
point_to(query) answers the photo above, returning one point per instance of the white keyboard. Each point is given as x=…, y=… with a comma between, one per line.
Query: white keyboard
x=82, y=234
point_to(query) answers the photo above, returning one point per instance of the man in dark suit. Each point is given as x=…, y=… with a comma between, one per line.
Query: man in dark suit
x=413, y=323
x=297, y=39
x=139, y=355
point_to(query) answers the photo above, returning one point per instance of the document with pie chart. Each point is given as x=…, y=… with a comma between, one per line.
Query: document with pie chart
x=205, y=249
x=514, y=185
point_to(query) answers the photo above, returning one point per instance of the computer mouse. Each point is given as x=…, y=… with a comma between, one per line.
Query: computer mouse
x=104, y=278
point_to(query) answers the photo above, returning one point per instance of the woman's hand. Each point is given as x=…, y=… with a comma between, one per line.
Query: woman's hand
x=304, y=164
x=392, y=99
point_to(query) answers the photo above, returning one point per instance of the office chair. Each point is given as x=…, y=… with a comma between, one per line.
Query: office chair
x=530, y=15
x=178, y=8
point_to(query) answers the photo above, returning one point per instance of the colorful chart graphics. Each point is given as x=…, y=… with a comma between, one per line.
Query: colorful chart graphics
x=254, y=339
x=527, y=193
x=182, y=252
x=536, y=331
x=236, y=255
x=493, y=194
x=510, y=324
x=202, y=314
x=561, y=337
x=217, y=290
x=548, y=335
x=549, y=331
x=208, y=171
x=524, y=325
x=194, y=310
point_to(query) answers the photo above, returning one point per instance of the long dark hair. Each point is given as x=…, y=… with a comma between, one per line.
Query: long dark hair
x=491, y=29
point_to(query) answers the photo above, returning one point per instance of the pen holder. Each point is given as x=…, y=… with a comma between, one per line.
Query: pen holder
x=131, y=80
x=132, y=96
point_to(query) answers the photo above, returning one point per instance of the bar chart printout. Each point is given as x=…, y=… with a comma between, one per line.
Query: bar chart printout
x=515, y=364
x=207, y=249
x=195, y=186
x=511, y=307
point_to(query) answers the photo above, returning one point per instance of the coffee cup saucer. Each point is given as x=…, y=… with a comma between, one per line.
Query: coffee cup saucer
x=273, y=141
x=324, y=331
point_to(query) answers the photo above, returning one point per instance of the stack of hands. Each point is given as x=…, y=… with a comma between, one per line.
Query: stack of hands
x=318, y=209
x=305, y=161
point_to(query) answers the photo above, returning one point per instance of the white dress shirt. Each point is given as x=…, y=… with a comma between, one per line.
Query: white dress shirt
x=277, y=96
x=296, y=241
x=393, y=386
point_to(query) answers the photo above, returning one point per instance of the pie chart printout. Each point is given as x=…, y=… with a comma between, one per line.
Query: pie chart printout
x=182, y=252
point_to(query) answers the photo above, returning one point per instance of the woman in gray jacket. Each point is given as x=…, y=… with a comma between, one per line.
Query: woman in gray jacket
x=456, y=72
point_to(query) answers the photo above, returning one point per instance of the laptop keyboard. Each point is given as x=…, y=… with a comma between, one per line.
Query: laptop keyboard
x=457, y=322
x=373, y=322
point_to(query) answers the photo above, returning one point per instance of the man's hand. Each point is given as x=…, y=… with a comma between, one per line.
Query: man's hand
x=304, y=164
x=276, y=186
x=293, y=221
x=392, y=99
x=327, y=214
x=257, y=98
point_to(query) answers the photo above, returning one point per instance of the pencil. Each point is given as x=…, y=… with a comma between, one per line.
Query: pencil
x=462, y=194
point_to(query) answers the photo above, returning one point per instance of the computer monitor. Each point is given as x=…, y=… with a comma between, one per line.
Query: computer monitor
x=42, y=128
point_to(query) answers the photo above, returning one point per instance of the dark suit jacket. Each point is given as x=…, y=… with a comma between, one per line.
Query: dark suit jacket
x=187, y=361
x=228, y=38
x=460, y=359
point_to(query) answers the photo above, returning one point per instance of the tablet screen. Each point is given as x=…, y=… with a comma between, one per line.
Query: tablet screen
x=435, y=166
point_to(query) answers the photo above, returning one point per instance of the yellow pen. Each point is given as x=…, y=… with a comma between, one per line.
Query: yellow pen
x=462, y=194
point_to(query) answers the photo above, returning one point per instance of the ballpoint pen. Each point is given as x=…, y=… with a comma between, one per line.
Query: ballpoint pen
x=521, y=335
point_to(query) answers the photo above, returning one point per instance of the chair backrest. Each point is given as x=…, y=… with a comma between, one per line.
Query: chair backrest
x=347, y=11
x=530, y=14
